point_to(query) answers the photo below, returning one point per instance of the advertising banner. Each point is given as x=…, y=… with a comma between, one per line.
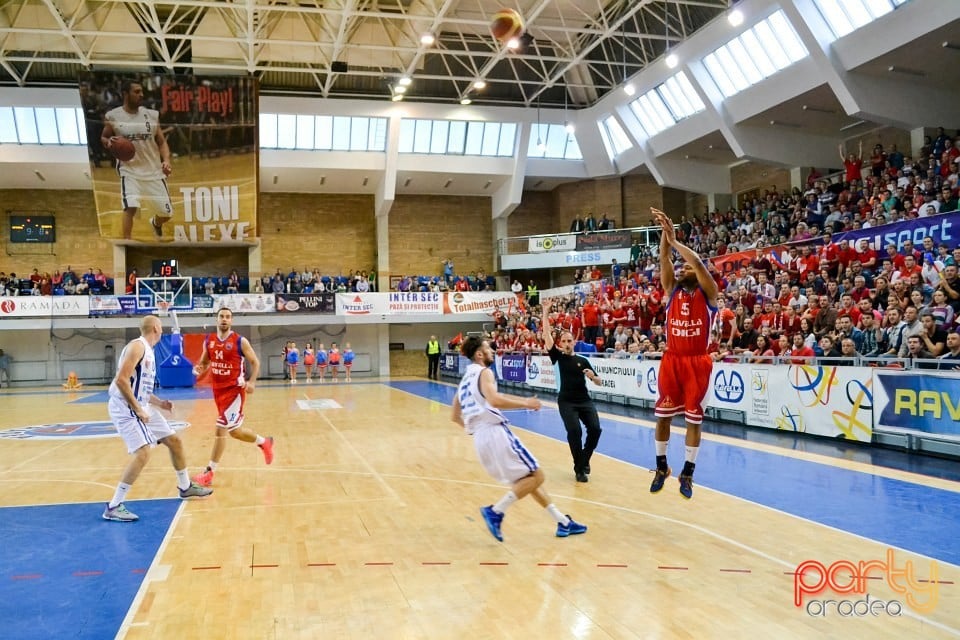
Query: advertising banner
x=38, y=306
x=924, y=402
x=561, y=242
x=457, y=302
x=113, y=305
x=316, y=303
x=173, y=158
x=605, y=240
x=393, y=303
x=544, y=260
x=541, y=373
x=821, y=400
x=512, y=367
x=246, y=302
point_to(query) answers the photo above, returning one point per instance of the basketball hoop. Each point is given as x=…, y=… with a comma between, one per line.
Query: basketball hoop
x=163, y=308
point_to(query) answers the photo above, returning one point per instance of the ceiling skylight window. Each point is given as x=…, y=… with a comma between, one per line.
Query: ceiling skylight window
x=614, y=137
x=556, y=143
x=758, y=53
x=456, y=137
x=42, y=125
x=846, y=16
x=666, y=105
x=322, y=133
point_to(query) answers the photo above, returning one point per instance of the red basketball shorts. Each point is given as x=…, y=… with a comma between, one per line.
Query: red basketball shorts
x=230, y=403
x=683, y=382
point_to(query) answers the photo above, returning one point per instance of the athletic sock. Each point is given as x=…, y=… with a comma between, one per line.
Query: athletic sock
x=504, y=503
x=692, y=454
x=559, y=517
x=661, y=447
x=119, y=495
x=183, y=480
x=260, y=440
x=212, y=466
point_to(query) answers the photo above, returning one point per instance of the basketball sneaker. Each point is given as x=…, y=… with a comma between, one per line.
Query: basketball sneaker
x=195, y=491
x=157, y=230
x=660, y=476
x=119, y=513
x=571, y=529
x=204, y=479
x=686, y=486
x=267, y=448
x=493, y=520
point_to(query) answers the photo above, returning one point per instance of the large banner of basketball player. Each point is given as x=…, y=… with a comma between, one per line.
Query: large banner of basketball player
x=173, y=158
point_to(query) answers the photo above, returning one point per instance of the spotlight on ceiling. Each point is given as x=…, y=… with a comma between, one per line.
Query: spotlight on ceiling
x=629, y=89
x=479, y=84
x=569, y=127
x=735, y=18
x=672, y=61
x=465, y=101
x=427, y=39
x=404, y=81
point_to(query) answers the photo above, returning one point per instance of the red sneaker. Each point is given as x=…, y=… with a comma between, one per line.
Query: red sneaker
x=204, y=479
x=267, y=448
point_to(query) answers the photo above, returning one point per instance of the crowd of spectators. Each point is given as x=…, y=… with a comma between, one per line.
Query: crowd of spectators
x=833, y=300
x=315, y=281
x=447, y=280
x=67, y=282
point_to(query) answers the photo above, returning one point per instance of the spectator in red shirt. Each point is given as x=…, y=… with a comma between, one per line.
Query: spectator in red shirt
x=800, y=353
x=852, y=164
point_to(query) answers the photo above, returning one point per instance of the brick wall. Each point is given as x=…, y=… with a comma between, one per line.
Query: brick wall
x=424, y=230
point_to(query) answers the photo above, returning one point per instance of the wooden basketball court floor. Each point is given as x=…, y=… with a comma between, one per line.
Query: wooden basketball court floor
x=367, y=526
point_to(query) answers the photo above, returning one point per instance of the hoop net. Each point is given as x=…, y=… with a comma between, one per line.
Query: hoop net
x=163, y=308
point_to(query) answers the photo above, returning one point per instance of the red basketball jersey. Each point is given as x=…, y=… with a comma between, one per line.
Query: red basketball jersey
x=226, y=360
x=689, y=320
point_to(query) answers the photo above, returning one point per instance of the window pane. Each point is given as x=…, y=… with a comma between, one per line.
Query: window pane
x=858, y=13
x=8, y=128
x=378, y=134
x=712, y=63
x=618, y=138
x=556, y=141
x=878, y=8
x=26, y=125
x=573, y=149
x=81, y=125
x=323, y=133
x=835, y=17
x=438, y=144
x=491, y=138
x=787, y=36
x=508, y=137
x=648, y=126
x=457, y=141
x=474, y=138
x=359, y=130
x=744, y=63
x=674, y=100
x=733, y=71
x=538, y=137
x=421, y=136
x=407, y=127
x=690, y=92
x=286, y=131
x=305, y=136
x=46, y=125
x=341, y=133
x=268, y=130
x=770, y=45
x=67, y=125
x=757, y=53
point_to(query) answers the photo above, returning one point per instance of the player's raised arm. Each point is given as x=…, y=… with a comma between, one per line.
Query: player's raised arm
x=545, y=327
x=704, y=279
x=667, y=276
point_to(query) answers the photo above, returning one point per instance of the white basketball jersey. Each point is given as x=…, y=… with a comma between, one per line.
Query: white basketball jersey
x=144, y=376
x=475, y=409
x=140, y=128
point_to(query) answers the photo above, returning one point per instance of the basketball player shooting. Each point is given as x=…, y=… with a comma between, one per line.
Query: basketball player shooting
x=143, y=176
x=685, y=370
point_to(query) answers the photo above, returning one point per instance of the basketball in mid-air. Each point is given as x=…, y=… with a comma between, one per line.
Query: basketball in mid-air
x=506, y=24
x=122, y=149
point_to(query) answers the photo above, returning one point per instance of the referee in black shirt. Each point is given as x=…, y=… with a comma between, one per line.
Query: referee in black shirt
x=576, y=406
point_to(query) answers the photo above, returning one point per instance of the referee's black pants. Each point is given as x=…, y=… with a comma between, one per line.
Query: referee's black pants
x=573, y=414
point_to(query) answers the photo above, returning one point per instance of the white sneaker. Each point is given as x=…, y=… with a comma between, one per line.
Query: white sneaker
x=119, y=513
